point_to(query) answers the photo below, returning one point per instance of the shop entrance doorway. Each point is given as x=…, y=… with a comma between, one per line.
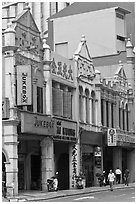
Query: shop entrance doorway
x=88, y=168
x=63, y=169
x=61, y=158
x=35, y=172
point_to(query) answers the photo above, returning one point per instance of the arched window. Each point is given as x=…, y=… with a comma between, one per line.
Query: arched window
x=87, y=105
x=127, y=117
x=102, y=112
x=80, y=103
x=119, y=116
x=107, y=114
x=123, y=116
x=112, y=114
x=93, y=106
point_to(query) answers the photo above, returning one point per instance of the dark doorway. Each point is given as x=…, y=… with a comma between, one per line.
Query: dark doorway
x=108, y=159
x=63, y=169
x=35, y=172
x=88, y=169
x=3, y=175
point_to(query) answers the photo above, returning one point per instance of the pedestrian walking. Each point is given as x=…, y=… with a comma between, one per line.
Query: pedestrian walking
x=111, y=178
x=118, y=175
x=126, y=177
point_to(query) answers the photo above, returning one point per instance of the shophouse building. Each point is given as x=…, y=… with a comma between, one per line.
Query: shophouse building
x=113, y=60
x=58, y=113
x=39, y=121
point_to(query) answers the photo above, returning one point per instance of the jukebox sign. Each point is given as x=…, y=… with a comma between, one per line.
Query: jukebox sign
x=24, y=86
x=111, y=137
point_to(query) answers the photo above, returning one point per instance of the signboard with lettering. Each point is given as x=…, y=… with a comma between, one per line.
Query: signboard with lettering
x=62, y=67
x=37, y=124
x=24, y=85
x=111, y=137
x=65, y=130
x=5, y=108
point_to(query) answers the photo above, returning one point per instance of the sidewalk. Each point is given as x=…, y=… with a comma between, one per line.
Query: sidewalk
x=41, y=195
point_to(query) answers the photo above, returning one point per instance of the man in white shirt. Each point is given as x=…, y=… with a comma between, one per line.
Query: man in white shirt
x=118, y=175
x=111, y=178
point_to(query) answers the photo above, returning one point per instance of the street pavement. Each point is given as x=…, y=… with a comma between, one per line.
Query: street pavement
x=32, y=196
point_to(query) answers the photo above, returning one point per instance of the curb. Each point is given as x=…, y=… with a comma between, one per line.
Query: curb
x=67, y=194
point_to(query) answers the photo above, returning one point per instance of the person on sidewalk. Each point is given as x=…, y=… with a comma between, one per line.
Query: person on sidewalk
x=118, y=175
x=111, y=179
x=126, y=177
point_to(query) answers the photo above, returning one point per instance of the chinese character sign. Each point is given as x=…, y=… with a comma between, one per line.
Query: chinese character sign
x=111, y=137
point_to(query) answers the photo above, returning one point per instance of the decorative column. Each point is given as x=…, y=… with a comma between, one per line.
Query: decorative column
x=47, y=160
x=47, y=76
x=98, y=107
x=44, y=97
x=10, y=141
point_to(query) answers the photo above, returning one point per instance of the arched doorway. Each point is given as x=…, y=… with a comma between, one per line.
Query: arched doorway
x=63, y=169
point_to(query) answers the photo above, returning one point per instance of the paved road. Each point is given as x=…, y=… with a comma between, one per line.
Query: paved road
x=118, y=195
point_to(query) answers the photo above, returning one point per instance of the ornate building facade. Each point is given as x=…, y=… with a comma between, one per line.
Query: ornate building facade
x=60, y=114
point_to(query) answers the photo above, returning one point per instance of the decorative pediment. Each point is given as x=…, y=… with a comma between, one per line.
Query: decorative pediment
x=82, y=49
x=84, y=60
x=26, y=19
x=121, y=72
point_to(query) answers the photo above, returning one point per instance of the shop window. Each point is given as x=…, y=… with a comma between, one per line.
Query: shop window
x=57, y=100
x=80, y=104
x=123, y=113
x=119, y=117
x=39, y=99
x=102, y=112
x=127, y=118
x=112, y=115
x=87, y=106
x=107, y=114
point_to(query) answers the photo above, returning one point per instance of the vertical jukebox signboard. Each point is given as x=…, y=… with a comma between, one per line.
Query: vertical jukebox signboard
x=24, y=85
x=111, y=137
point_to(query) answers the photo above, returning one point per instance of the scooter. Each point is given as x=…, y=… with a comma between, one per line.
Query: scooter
x=52, y=184
x=79, y=183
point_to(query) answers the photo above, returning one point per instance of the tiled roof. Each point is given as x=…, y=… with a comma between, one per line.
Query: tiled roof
x=84, y=7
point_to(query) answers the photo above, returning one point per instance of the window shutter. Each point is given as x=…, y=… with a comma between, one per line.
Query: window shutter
x=65, y=104
x=55, y=101
x=61, y=102
x=69, y=105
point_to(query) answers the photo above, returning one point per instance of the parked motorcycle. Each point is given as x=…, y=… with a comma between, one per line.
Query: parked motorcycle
x=79, y=182
x=52, y=184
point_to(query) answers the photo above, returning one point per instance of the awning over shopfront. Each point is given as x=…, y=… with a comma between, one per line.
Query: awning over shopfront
x=90, y=137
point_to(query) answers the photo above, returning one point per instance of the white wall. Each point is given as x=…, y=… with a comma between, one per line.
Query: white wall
x=98, y=28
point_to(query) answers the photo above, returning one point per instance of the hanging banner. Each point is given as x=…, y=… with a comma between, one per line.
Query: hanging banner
x=111, y=137
x=24, y=85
